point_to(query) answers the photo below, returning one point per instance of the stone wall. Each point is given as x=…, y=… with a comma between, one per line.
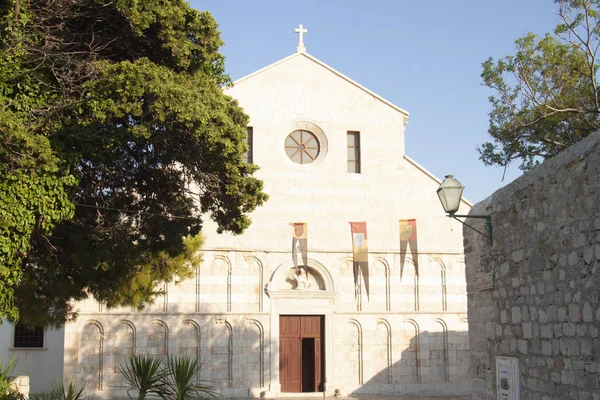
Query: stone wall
x=407, y=335
x=543, y=307
x=228, y=317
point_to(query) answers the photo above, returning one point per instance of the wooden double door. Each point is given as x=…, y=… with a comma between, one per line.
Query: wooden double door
x=301, y=353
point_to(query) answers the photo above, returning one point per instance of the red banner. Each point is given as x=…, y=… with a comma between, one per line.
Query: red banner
x=360, y=252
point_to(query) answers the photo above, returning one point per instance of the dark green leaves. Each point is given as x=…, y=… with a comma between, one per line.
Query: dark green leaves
x=116, y=141
x=177, y=380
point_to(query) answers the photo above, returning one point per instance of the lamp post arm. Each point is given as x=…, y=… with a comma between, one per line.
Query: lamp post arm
x=487, y=217
x=488, y=224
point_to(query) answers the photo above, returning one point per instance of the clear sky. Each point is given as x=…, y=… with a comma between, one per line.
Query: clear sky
x=424, y=56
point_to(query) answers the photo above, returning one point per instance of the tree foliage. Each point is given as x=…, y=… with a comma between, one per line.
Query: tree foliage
x=115, y=138
x=546, y=95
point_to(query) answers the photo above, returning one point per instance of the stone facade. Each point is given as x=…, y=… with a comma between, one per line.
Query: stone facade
x=544, y=306
x=409, y=335
x=231, y=323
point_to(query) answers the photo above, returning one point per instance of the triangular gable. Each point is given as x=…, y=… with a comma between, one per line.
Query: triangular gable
x=433, y=177
x=333, y=70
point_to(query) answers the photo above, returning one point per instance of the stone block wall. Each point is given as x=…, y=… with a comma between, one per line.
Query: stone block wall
x=543, y=307
x=373, y=344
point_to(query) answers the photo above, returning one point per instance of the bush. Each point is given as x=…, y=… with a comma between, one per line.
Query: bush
x=178, y=380
x=6, y=392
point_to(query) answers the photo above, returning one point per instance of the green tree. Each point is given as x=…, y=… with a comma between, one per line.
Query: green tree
x=115, y=139
x=546, y=95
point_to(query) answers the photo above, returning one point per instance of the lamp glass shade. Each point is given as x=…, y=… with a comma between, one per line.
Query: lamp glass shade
x=450, y=193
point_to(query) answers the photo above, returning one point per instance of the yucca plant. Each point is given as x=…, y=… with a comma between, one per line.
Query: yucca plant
x=181, y=380
x=70, y=392
x=144, y=375
x=6, y=371
x=12, y=395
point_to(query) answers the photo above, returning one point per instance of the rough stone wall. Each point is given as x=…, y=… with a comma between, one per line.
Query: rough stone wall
x=545, y=261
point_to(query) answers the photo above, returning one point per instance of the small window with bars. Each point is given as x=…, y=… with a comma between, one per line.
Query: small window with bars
x=27, y=337
x=354, y=152
x=247, y=156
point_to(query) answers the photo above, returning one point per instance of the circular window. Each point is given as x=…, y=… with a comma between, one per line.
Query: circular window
x=302, y=147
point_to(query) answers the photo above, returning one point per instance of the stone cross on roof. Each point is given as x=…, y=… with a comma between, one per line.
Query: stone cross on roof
x=300, y=30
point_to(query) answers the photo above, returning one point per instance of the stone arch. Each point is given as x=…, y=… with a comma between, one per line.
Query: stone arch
x=456, y=286
x=278, y=277
x=131, y=326
x=439, y=355
x=220, y=348
x=124, y=344
x=261, y=354
x=358, y=286
x=434, y=285
x=91, y=353
x=345, y=278
x=386, y=270
x=189, y=343
x=444, y=285
x=410, y=364
x=384, y=352
x=347, y=262
x=358, y=371
x=157, y=339
x=408, y=296
x=230, y=357
x=226, y=260
x=259, y=292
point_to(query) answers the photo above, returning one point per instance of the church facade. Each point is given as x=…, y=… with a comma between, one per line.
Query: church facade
x=331, y=153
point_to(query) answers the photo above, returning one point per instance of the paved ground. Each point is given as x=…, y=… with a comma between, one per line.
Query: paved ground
x=373, y=397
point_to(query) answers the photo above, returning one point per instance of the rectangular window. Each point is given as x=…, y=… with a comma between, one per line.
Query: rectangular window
x=247, y=156
x=25, y=337
x=354, y=152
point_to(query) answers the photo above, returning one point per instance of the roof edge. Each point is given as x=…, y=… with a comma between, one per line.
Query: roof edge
x=263, y=69
x=331, y=69
x=422, y=169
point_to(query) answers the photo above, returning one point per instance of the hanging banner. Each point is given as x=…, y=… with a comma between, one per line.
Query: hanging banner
x=360, y=252
x=408, y=237
x=299, y=244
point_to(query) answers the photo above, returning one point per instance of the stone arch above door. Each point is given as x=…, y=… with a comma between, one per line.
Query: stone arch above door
x=282, y=283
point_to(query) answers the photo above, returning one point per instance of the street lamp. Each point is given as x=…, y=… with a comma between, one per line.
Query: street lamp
x=450, y=193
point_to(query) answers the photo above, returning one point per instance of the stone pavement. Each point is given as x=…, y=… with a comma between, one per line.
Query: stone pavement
x=373, y=397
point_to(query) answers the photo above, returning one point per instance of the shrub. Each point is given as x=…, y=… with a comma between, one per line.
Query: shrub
x=178, y=380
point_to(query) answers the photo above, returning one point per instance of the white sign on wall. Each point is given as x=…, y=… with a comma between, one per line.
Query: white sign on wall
x=508, y=385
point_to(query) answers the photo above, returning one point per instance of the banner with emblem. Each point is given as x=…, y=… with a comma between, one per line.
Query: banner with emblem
x=360, y=252
x=408, y=237
x=299, y=244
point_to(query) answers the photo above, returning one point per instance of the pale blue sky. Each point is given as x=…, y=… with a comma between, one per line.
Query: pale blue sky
x=424, y=56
